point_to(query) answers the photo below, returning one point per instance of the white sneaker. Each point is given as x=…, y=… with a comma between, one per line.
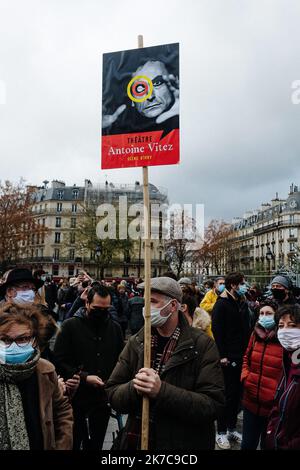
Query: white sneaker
x=234, y=436
x=222, y=441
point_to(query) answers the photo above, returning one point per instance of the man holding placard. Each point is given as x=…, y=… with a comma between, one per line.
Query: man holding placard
x=184, y=383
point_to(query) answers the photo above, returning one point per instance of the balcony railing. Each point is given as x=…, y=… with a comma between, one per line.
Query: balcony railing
x=114, y=262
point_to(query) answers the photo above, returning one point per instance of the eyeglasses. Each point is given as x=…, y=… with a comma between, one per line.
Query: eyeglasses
x=23, y=341
x=23, y=287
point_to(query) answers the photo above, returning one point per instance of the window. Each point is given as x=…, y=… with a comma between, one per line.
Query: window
x=280, y=234
x=32, y=239
x=292, y=246
x=73, y=222
x=38, y=239
x=92, y=255
x=56, y=254
x=72, y=254
x=74, y=208
x=42, y=252
x=41, y=208
x=44, y=221
x=57, y=237
x=292, y=218
x=42, y=239
x=55, y=270
x=71, y=270
x=292, y=232
x=72, y=237
x=36, y=253
x=58, y=222
x=59, y=207
x=75, y=193
x=160, y=256
x=60, y=194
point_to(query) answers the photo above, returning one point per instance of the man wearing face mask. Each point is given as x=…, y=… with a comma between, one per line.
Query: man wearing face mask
x=211, y=296
x=281, y=291
x=90, y=343
x=231, y=330
x=184, y=383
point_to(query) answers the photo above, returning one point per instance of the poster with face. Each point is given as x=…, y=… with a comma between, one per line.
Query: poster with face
x=140, y=107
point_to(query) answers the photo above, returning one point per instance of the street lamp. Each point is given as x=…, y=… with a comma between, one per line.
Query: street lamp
x=98, y=253
x=269, y=256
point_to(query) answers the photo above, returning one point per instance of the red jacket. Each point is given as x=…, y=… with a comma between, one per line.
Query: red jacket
x=283, y=431
x=261, y=372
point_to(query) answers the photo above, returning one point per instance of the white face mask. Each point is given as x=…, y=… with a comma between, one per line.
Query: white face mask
x=24, y=297
x=157, y=319
x=289, y=338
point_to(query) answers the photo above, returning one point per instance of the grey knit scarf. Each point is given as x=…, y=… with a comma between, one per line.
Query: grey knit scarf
x=13, y=432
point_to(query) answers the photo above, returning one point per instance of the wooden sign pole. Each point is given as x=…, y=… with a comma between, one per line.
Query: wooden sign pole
x=147, y=276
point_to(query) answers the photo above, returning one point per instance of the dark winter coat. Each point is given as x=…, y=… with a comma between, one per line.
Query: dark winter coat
x=191, y=394
x=262, y=369
x=82, y=342
x=231, y=326
x=283, y=431
x=135, y=313
x=122, y=308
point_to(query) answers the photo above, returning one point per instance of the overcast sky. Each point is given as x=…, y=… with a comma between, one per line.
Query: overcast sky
x=240, y=139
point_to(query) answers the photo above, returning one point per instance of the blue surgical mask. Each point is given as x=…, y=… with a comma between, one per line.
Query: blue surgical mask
x=221, y=288
x=242, y=289
x=267, y=321
x=15, y=354
x=24, y=297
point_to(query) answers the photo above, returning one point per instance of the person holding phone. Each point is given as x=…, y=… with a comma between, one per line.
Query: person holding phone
x=94, y=340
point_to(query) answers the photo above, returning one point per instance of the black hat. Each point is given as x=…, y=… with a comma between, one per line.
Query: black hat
x=15, y=275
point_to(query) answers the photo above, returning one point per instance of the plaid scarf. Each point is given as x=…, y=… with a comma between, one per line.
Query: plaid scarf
x=134, y=430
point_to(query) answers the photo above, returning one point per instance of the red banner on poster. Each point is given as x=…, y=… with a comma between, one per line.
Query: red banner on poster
x=140, y=116
x=144, y=149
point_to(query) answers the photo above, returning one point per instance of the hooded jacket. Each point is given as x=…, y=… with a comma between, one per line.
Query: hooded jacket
x=209, y=301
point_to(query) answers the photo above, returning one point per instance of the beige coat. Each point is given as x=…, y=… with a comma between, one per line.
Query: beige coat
x=55, y=410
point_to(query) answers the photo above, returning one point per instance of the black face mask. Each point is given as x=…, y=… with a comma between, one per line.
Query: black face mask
x=100, y=315
x=278, y=294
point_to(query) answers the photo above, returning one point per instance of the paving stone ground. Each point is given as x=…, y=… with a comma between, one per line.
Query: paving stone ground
x=113, y=427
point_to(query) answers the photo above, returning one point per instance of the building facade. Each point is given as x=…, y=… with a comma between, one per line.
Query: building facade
x=61, y=209
x=266, y=241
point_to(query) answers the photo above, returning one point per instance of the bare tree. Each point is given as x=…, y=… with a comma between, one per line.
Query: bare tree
x=179, y=246
x=17, y=224
x=217, y=250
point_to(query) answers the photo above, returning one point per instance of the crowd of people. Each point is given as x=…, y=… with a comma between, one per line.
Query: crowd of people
x=73, y=351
